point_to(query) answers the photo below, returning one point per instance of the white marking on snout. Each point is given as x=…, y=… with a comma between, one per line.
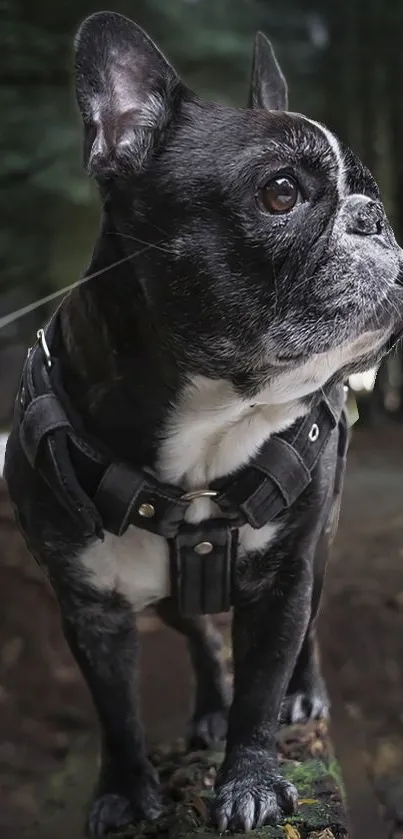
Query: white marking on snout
x=335, y=147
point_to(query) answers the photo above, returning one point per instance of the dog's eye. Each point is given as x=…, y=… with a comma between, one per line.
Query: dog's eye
x=280, y=195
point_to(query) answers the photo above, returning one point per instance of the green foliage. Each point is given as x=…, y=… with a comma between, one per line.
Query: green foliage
x=41, y=168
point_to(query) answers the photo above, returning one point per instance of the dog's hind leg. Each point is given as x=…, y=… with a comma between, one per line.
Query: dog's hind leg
x=307, y=697
x=100, y=630
x=213, y=688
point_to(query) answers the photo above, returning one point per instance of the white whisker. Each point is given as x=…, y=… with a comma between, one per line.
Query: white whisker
x=140, y=241
x=26, y=310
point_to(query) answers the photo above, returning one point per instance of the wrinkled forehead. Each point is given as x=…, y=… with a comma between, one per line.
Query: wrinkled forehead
x=238, y=146
x=313, y=145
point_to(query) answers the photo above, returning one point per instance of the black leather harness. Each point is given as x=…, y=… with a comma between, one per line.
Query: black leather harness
x=103, y=495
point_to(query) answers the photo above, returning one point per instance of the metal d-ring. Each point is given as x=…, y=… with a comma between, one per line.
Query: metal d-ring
x=42, y=340
x=314, y=433
x=199, y=493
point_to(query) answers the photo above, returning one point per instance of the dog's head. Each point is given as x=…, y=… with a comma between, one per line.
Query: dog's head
x=261, y=246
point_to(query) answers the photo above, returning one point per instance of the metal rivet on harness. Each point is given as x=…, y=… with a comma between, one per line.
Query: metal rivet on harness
x=314, y=433
x=203, y=548
x=147, y=511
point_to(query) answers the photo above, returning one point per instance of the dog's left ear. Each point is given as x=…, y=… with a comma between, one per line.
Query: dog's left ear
x=268, y=87
x=126, y=91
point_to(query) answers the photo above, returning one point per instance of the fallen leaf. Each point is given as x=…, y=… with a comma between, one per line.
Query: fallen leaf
x=317, y=748
x=291, y=832
x=180, y=778
x=199, y=805
x=210, y=778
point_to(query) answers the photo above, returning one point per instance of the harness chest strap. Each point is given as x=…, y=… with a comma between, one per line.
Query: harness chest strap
x=201, y=556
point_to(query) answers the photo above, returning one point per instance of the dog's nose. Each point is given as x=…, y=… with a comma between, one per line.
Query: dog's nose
x=364, y=217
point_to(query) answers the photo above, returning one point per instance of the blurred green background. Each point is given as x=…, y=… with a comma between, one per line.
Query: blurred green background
x=343, y=61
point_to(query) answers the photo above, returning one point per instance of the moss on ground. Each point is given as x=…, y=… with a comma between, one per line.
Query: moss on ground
x=306, y=759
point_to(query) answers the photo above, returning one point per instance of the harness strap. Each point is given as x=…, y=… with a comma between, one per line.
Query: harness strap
x=344, y=438
x=282, y=469
x=43, y=416
x=46, y=434
x=202, y=559
x=119, y=495
x=126, y=496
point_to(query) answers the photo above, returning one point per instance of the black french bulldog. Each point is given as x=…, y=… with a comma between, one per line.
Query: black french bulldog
x=244, y=268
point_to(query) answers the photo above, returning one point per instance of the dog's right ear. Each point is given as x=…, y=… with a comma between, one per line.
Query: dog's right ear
x=126, y=91
x=268, y=87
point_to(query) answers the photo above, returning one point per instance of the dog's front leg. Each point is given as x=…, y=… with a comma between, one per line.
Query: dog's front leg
x=267, y=636
x=213, y=688
x=100, y=630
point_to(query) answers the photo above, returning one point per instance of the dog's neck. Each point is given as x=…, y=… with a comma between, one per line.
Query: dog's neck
x=212, y=431
x=131, y=393
x=116, y=370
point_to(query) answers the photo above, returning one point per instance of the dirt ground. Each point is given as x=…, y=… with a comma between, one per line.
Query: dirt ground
x=44, y=705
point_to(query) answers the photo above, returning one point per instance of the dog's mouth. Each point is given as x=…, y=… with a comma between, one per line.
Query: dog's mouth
x=290, y=358
x=395, y=337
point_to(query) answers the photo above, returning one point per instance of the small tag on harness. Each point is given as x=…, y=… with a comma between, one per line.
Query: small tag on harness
x=201, y=562
x=352, y=409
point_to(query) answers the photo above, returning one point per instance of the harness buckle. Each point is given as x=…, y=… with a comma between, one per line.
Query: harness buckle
x=199, y=493
x=43, y=343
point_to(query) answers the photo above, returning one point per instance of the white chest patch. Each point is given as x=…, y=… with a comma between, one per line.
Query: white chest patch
x=210, y=433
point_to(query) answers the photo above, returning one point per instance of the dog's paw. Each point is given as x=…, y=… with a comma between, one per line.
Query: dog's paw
x=208, y=730
x=210, y=719
x=109, y=813
x=304, y=706
x=250, y=794
x=112, y=812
